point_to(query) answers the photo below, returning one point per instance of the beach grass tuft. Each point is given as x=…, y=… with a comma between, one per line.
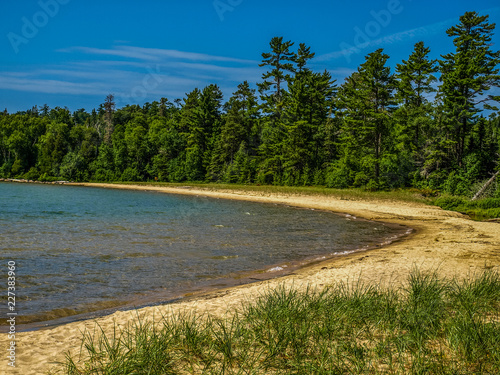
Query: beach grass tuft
x=426, y=326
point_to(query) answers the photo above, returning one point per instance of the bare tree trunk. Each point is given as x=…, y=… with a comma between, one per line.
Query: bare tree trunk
x=109, y=106
x=485, y=186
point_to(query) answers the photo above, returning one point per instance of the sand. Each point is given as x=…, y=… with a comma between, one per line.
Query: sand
x=443, y=241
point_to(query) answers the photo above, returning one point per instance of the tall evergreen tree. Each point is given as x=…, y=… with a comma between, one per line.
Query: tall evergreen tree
x=414, y=116
x=306, y=110
x=192, y=132
x=200, y=124
x=210, y=110
x=365, y=105
x=280, y=60
x=238, y=134
x=467, y=76
x=415, y=77
x=303, y=55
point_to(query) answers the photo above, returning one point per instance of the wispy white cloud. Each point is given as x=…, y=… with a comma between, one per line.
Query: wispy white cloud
x=71, y=82
x=133, y=74
x=50, y=86
x=153, y=54
x=400, y=37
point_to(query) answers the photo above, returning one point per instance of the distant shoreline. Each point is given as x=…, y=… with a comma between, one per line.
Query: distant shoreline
x=22, y=180
x=443, y=241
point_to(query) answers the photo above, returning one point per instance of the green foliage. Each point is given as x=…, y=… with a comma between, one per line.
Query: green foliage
x=32, y=174
x=467, y=75
x=379, y=130
x=365, y=103
x=71, y=167
x=280, y=60
x=430, y=326
x=480, y=209
x=130, y=174
x=236, y=144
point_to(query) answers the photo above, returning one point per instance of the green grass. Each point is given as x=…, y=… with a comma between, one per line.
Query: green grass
x=408, y=195
x=429, y=326
x=480, y=209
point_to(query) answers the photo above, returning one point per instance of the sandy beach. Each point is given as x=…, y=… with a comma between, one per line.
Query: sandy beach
x=446, y=241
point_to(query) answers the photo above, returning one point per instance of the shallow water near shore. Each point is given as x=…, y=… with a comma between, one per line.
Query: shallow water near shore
x=79, y=249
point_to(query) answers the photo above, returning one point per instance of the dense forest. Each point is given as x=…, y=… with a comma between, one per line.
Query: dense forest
x=429, y=124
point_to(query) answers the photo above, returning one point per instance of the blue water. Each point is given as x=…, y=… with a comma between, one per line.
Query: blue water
x=80, y=249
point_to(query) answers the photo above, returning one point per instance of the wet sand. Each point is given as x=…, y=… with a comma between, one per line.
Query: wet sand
x=443, y=241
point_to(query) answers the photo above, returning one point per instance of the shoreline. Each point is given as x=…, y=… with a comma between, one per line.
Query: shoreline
x=443, y=241
x=232, y=280
x=66, y=315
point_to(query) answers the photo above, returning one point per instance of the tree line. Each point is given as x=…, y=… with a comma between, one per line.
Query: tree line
x=427, y=124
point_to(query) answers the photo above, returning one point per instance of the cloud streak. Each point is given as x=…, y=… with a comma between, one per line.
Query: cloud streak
x=400, y=37
x=132, y=74
x=153, y=54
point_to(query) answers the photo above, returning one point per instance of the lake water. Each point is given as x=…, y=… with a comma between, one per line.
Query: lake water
x=79, y=250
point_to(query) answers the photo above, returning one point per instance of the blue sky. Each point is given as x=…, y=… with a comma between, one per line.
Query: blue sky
x=73, y=52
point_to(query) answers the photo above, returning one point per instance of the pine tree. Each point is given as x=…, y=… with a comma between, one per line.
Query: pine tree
x=414, y=116
x=191, y=131
x=239, y=126
x=415, y=77
x=365, y=106
x=303, y=55
x=280, y=60
x=467, y=76
x=306, y=109
x=200, y=124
